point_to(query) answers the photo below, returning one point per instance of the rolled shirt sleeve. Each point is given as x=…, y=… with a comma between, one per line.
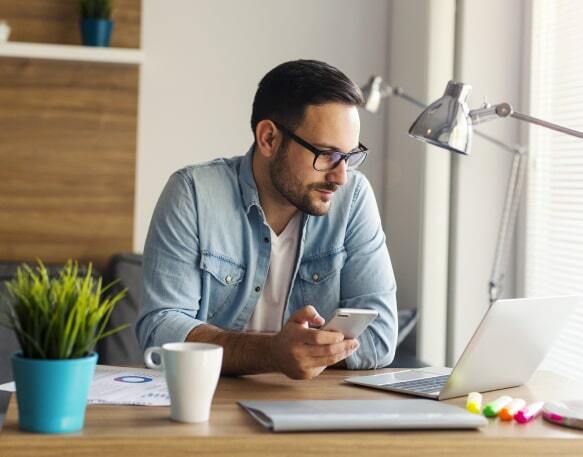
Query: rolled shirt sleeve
x=171, y=284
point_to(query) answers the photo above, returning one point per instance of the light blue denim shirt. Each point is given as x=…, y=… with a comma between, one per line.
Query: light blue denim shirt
x=207, y=255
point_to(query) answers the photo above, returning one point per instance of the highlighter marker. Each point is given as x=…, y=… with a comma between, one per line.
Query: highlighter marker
x=493, y=408
x=509, y=411
x=529, y=413
x=474, y=402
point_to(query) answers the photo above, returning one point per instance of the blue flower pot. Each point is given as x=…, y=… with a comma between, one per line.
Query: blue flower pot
x=52, y=393
x=96, y=32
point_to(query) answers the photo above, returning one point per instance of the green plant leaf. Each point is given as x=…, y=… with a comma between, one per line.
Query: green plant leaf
x=96, y=9
x=59, y=317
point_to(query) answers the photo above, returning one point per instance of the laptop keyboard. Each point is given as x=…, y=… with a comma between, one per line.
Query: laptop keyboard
x=425, y=385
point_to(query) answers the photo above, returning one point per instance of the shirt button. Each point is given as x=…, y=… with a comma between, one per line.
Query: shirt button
x=266, y=239
x=257, y=289
x=228, y=279
x=315, y=276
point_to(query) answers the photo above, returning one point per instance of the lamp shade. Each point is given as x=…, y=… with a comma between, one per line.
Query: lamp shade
x=372, y=94
x=446, y=122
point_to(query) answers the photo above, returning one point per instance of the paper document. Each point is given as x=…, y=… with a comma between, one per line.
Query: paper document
x=307, y=415
x=123, y=386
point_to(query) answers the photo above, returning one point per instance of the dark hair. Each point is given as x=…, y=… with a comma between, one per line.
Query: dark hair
x=284, y=93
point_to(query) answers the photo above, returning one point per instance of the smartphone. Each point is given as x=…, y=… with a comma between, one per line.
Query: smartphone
x=350, y=321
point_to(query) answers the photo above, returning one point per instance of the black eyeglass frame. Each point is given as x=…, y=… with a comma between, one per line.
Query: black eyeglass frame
x=318, y=152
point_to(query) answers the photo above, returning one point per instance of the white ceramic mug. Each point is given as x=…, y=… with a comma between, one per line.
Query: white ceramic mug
x=192, y=372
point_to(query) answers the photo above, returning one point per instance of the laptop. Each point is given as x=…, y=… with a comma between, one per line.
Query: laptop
x=507, y=347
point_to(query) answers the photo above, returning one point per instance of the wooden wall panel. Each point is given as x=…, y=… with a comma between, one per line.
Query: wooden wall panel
x=67, y=143
x=57, y=21
x=67, y=159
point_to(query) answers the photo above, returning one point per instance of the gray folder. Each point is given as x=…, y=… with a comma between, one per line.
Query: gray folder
x=309, y=415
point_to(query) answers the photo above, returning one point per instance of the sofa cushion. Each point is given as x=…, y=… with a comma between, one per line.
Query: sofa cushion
x=122, y=348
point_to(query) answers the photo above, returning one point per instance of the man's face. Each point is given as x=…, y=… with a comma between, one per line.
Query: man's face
x=333, y=126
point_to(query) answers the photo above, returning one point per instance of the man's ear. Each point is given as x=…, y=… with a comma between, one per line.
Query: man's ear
x=267, y=138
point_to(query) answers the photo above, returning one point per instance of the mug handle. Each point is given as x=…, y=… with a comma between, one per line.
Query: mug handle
x=148, y=358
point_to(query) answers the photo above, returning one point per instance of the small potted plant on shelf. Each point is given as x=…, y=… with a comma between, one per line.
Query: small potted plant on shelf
x=96, y=23
x=57, y=322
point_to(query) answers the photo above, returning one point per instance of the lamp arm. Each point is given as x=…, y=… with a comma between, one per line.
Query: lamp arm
x=400, y=92
x=488, y=113
x=515, y=149
x=549, y=125
x=507, y=223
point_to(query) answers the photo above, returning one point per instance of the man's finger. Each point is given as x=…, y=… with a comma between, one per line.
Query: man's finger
x=328, y=350
x=319, y=337
x=307, y=314
x=328, y=360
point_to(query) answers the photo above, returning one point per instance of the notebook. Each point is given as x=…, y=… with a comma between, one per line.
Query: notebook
x=312, y=415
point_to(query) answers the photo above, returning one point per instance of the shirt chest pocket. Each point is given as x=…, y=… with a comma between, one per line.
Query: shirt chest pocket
x=320, y=280
x=221, y=280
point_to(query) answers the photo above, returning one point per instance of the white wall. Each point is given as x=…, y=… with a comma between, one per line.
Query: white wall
x=489, y=57
x=204, y=59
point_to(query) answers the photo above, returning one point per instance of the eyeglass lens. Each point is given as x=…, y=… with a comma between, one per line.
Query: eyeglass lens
x=329, y=160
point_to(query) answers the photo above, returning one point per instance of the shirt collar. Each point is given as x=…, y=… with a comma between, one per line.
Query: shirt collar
x=247, y=181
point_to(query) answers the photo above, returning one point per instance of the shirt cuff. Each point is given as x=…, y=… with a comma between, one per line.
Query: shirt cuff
x=365, y=356
x=173, y=328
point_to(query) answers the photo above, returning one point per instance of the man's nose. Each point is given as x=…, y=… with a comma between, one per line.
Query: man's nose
x=338, y=174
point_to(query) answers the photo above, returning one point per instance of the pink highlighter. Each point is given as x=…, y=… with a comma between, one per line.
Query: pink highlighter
x=529, y=413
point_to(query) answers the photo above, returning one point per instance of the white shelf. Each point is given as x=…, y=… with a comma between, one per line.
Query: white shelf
x=69, y=52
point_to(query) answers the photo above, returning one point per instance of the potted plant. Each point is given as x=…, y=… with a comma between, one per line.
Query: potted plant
x=57, y=322
x=96, y=23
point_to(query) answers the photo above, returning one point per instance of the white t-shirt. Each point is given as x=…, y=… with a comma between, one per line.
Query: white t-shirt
x=269, y=309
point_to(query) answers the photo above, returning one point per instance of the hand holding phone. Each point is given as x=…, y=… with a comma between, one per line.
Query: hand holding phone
x=351, y=322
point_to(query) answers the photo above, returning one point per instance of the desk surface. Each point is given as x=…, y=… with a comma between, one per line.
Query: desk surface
x=148, y=431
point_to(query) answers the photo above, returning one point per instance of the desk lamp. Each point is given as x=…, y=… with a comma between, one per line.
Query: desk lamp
x=448, y=123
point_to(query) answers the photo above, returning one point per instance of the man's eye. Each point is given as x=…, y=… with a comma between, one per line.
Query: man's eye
x=333, y=154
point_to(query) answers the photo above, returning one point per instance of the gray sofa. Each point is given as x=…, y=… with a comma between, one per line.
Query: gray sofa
x=8, y=342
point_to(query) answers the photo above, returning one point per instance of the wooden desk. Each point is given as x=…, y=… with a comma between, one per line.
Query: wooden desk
x=147, y=431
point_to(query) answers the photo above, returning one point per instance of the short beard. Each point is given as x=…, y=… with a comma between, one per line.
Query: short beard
x=290, y=186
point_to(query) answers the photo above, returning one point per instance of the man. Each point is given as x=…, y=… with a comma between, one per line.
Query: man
x=254, y=253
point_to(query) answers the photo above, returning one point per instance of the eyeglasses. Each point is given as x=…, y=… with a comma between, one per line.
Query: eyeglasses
x=326, y=160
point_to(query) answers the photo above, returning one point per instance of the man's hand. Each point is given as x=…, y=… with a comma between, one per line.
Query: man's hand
x=298, y=351
x=301, y=352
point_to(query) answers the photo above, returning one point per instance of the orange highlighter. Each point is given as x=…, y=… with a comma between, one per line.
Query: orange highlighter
x=509, y=411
